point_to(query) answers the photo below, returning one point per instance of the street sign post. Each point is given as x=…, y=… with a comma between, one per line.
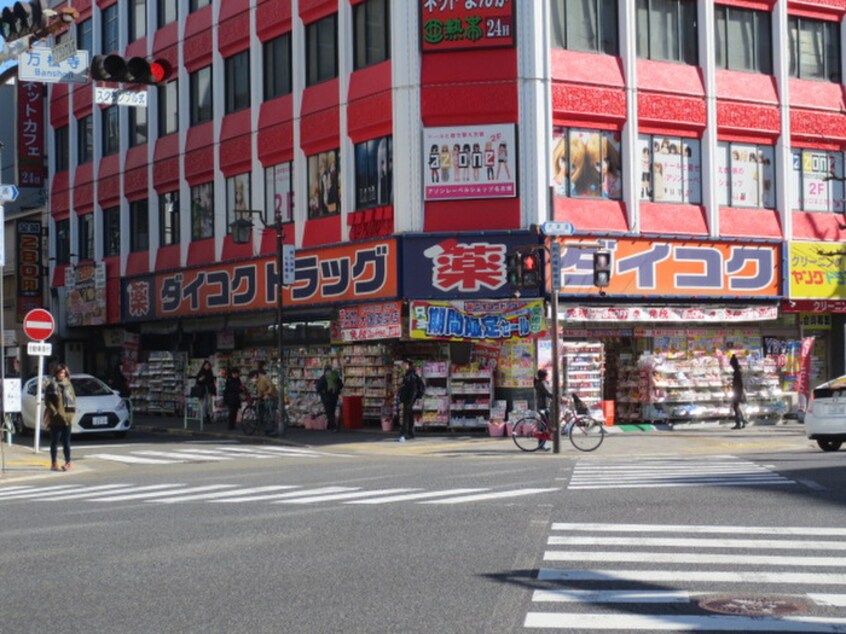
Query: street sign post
x=558, y=228
x=37, y=64
x=289, y=264
x=38, y=324
x=8, y=193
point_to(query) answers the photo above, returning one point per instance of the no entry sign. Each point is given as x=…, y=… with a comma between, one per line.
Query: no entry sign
x=38, y=324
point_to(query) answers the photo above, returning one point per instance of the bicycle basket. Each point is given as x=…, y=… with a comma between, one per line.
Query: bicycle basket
x=579, y=405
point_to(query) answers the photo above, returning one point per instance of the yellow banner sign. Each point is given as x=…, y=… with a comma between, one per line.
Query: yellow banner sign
x=817, y=270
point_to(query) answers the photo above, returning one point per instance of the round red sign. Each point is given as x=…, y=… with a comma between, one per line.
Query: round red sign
x=38, y=324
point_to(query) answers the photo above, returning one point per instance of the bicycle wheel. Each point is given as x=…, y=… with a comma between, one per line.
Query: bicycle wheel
x=526, y=431
x=249, y=420
x=585, y=433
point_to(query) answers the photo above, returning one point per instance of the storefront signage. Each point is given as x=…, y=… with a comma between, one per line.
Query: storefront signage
x=30, y=134
x=477, y=320
x=346, y=273
x=457, y=24
x=450, y=267
x=674, y=268
x=474, y=161
x=814, y=306
x=368, y=321
x=817, y=270
x=29, y=282
x=86, y=302
x=667, y=313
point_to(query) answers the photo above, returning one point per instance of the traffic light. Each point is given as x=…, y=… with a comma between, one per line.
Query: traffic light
x=21, y=19
x=601, y=268
x=531, y=276
x=135, y=70
x=523, y=269
x=514, y=266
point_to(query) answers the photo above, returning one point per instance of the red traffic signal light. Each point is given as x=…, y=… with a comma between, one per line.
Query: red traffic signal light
x=530, y=275
x=135, y=70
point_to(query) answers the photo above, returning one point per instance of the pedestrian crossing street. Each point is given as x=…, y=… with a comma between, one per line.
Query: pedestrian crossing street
x=270, y=494
x=687, y=471
x=198, y=453
x=660, y=578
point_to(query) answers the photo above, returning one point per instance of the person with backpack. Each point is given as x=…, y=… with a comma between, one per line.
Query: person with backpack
x=411, y=389
x=329, y=388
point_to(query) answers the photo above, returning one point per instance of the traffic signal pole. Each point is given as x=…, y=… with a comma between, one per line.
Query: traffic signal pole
x=554, y=283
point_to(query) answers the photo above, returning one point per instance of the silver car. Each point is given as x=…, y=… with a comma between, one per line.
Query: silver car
x=825, y=416
x=99, y=408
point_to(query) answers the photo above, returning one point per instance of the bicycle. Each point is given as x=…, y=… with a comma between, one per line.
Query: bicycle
x=532, y=432
x=258, y=414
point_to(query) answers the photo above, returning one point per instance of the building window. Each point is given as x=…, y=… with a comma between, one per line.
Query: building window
x=374, y=162
x=111, y=231
x=63, y=241
x=586, y=164
x=324, y=194
x=743, y=39
x=85, y=225
x=585, y=25
x=169, y=219
x=670, y=169
x=111, y=135
x=277, y=67
x=84, y=139
x=109, y=23
x=139, y=226
x=197, y=4
x=202, y=211
x=201, y=95
x=666, y=30
x=237, y=197
x=322, y=50
x=811, y=188
x=278, y=193
x=168, y=12
x=60, y=142
x=85, y=35
x=237, y=78
x=745, y=175
x=814, y=49
x=137, y=19
x=168, y=108
x=137, y=126
x=371, y=32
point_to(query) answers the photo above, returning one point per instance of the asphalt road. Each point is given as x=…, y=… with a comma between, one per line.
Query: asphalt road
x=437, y=536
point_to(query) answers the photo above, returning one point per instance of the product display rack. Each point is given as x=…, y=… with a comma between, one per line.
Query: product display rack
x=367, y=373
x=470, y=394
x=434, y=407
x=582, y=370
x=632, y=386
x=304, y=365
x=158, y=385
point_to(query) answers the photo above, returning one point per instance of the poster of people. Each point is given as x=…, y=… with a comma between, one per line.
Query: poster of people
x=586, y=164
x=277, y=187
x=470, y=162
x=670, y=169
x=237, y=196
x=202, y=211
x=810, y=170
x=374, y=172
x=745, y=175
x=324, y=184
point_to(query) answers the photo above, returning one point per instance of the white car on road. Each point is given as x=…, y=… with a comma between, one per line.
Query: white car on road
x=99, y=409
x=825, y=416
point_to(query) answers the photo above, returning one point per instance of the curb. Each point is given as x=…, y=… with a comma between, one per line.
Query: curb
x=191, y=433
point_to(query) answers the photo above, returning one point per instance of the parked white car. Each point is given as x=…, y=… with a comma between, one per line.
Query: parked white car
x=99, y=409
x=825, y=416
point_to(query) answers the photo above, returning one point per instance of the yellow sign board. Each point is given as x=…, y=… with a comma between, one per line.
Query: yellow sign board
x=817, y=270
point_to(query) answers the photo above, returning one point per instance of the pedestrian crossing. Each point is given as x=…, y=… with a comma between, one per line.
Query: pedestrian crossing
x=172, y=493
x=675, y=578
x=673, y=472
x=207, y=454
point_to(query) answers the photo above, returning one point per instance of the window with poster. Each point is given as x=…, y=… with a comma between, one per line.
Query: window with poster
x=374, y=173
x=811, y=188
x=202, y=211
x=670, y=169
x=324, y=184
x=586, y=163
x=237, y=197
x=278, y=193
x=745, y=175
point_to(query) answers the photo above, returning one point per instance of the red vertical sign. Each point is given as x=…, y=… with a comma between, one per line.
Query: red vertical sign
x=30, y=134
x=803, y=385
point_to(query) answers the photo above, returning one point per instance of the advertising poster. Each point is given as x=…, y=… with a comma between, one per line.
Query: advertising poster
x=803, y=384
x=374, y=173
x=516, y=367
x=368, y=321
x=456, y=24
x=745, y=175
x=86, y=298
x=238, y=194
x=670, y=169
x=324, y=184
x=819, y=194
x=476, y=320
x=31, y=134
x=814, y=275
x=29, y=258
x=202, y=211
x=277, y=187
x=586, y=164
x=470, y=162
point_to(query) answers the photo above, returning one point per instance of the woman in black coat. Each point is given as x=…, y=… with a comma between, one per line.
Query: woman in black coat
x=205, y=388
x=232, y=395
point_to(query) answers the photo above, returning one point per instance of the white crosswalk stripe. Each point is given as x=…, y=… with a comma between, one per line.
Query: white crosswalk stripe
x=661, y=581
x=673, y=472
x=207, y=454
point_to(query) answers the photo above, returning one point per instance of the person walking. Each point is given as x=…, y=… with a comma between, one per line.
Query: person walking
x=205, y=389
x=329, y=388
x=61, y=406
x=232, y=393
x=738, y=394
x=542, y=393
x=411, y=389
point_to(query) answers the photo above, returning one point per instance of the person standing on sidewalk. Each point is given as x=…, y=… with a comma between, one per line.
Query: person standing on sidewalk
x=329, y=388
x=232, y=393
x=205, y=389
x=61, y=406
x=738, y=394
x=411, y=389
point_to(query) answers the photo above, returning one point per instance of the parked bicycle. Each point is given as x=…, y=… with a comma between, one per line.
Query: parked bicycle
x=532, y=432
x=258, y=414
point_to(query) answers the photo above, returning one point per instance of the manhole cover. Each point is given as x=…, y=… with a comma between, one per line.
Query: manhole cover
x=753, y=605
